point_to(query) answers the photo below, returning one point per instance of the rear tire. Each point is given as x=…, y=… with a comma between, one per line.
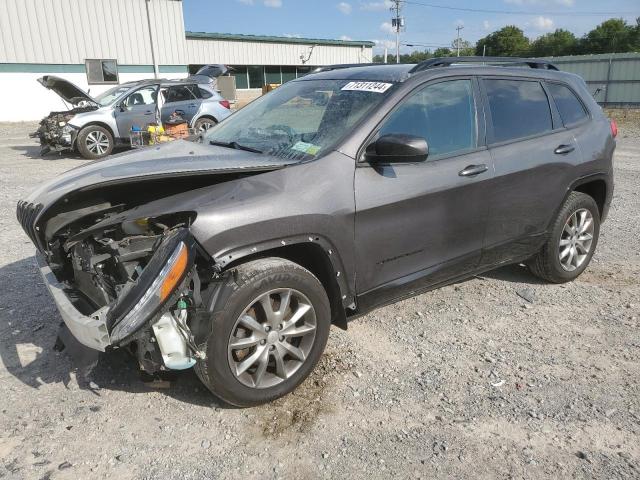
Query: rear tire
x=94, y=142
x=572, y=242
x=203, y=124
x=256, y=349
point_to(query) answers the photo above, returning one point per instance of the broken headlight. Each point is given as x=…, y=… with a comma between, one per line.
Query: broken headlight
x=67, y=133
x=165, y=271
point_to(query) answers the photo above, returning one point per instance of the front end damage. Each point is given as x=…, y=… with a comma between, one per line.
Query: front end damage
x=116, y=247
x=55, y=133
x=134, y=284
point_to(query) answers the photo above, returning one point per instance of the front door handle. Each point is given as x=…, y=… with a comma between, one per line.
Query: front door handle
x=564, y=149
x=473, y=170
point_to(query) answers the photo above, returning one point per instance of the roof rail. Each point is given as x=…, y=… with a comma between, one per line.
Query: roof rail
x=328, y=68
x=494, y=61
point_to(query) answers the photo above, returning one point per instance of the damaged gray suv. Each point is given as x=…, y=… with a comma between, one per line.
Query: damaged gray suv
x=339, y=192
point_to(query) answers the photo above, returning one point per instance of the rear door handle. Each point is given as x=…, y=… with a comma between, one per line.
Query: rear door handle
x=473, y=170
x=564, y=149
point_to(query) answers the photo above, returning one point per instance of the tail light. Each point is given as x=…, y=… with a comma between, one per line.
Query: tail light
x=614, y=128
x=225, y=104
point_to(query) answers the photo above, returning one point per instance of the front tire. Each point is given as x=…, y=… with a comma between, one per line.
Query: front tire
x=94, y=142
x=268, y=335
x=572, y=243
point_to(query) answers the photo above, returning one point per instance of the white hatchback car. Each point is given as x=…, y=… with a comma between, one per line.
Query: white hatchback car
x=94, y=126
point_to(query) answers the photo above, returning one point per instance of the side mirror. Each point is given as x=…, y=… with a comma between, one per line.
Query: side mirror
x=123, y=106
x=397, y=148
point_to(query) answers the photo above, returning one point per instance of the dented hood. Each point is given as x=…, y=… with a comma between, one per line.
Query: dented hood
x=172, y=159
x=66, y=90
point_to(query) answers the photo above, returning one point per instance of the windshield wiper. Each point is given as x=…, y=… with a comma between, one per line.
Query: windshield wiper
x=234, y=145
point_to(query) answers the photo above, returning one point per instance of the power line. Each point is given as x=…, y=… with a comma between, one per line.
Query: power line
x=511, y=12
x=429, y=45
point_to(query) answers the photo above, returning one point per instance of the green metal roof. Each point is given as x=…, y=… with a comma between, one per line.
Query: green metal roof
x=271, y=39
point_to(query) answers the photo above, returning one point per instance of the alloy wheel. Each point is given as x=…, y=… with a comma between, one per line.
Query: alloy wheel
x=576, y=239
x=97, y=142
x=204, y=126
x=272, y=338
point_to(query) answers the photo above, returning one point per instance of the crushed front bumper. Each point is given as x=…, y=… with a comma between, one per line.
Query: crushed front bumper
x=90, y=331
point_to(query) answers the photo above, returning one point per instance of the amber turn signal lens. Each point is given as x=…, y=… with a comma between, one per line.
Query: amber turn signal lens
x=175, y=274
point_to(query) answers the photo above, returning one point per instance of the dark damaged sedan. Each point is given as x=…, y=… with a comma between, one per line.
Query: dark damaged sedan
x=336, y=193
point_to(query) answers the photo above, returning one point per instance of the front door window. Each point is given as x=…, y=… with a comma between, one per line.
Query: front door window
x=442, y=113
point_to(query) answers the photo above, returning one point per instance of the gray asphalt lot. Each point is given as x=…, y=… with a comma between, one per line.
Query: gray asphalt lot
x=469, y=381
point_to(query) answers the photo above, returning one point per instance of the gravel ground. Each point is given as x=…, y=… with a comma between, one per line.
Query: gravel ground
x=469, y=381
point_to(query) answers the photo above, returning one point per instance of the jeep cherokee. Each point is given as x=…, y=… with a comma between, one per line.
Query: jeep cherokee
x=336, y=193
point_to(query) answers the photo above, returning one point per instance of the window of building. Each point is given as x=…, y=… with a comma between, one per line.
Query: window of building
x=272, y=74
x=256, y=76
x=571, y=109
x=288, y=73
x=519, y=109
x=240, y=73
x=443, y=113
x=302, y=71
x=101, y=71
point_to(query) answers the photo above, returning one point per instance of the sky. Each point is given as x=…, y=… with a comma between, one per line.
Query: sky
x=426, y=27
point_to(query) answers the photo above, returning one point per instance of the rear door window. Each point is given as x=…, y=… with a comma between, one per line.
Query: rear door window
x=519, y=109
x=179, y=94
x=571, y=109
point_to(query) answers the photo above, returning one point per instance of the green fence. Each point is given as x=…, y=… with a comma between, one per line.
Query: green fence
x=613, y=78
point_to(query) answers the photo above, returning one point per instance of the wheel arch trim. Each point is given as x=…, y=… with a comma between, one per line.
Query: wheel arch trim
x=226, y=259
x=204, y=115
x=603, y=176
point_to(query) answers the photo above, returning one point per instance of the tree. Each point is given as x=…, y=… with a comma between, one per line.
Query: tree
x=466, y=48
x=611, y=36
x=413, y=57
x=509, y=41
x=442, y=52
x=560, y=42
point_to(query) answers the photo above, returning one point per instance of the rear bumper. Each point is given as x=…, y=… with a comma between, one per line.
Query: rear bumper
x=91, y=331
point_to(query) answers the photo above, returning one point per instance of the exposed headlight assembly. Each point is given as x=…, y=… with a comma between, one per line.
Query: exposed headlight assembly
x=165, y=271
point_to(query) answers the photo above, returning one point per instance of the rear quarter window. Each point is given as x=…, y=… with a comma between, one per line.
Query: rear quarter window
x=519, y=108
x=205, y=93
x=570, y=107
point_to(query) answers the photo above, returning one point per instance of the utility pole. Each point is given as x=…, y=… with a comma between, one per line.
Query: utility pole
x=458, y=28
x=154, y=58
x=397, y=23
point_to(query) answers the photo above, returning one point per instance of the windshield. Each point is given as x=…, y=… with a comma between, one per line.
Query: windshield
x=110, y=96
x=301, y=119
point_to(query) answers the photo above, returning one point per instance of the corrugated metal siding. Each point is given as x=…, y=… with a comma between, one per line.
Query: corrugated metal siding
x=70, y=31
x=616, y=74
x=200, y=51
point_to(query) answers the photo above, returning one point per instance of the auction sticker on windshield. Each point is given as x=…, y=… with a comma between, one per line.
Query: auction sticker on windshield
x=379, y=87
x=305, y=147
